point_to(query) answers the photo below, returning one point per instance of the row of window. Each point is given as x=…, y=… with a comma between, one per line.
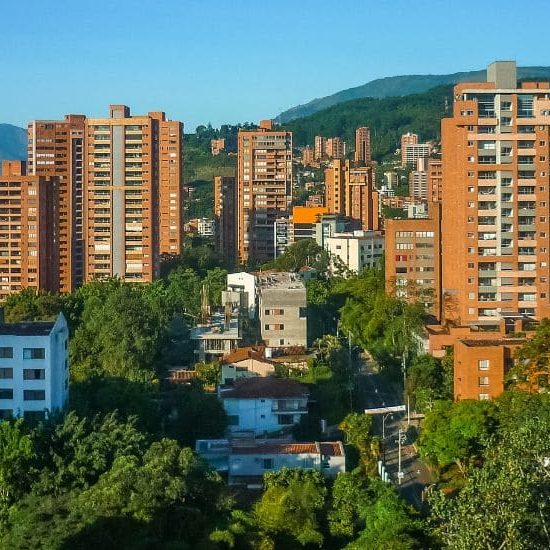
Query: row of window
x=28, y=353
x=28, y=395
x=28, y=374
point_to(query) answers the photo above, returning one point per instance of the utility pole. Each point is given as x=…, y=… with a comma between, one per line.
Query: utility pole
x=349, y=373
x=404, y=369
x=399, y=472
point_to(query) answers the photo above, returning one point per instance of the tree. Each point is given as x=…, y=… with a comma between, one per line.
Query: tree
x=305, y=252
x=505, y=503
x=209, y=373
x=357, y=429
x=17, y=463
x=367, y=513
x=457, y=433
x=289, y=508
x=32, y=305
x=532, y=368
x=425, y=382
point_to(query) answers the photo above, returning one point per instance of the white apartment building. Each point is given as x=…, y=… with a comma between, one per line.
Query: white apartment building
x=34, y=373
x=356, y=250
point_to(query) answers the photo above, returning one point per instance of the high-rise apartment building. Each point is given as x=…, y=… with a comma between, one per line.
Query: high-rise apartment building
x=418, y=180
x=407, y=139
x=362, y=146
x=336, y=148
x=28, y=230
x=56, y=148
x=225, y=212
x=308, y=156
x=264, y=180
x=133, y=194
x=349, y=191
x=435, y=180
x=496, y=220
x=320, y=149
x=413, y=259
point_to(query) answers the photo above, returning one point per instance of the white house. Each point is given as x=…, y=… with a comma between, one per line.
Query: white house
x=34, y=373
x=264, y=405
x=356, y=250
x=246, y=461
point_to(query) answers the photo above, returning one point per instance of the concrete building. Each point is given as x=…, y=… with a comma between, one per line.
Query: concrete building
x=283, y=235
x=217, y=146
x=28, y=230
x=245, y=363
x=282, y=309
x=34, y=371
x=264, y=179
x=133, y=204
x=350, y=192
x=225, y=212
x=264, y=405
x=362, y=146
x=247, y=461
x=418, y=179
x=495, y=225
x=245, y=283
x=206, y=227
x=391, y=179
x=56, y=149
x=308, y=156
x=329, y=225
x=435, y=180
x=304, y=219
x=413, y=260
x=335, y=148
x=320, y=149
x=217, y=338
x=356, y=250
x=407, y=139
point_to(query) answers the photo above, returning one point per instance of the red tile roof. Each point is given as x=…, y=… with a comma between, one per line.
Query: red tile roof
x=329, y=448
x=278, y=388
x=332, y=448
x=240, y=354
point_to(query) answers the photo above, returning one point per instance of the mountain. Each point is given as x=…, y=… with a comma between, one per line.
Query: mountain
x=387, y=118
x=399, y=86
x=13, y=142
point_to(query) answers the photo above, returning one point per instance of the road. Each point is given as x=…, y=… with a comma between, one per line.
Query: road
x=377, y=391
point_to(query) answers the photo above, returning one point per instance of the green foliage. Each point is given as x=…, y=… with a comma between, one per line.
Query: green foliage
x=366, y=513
x=392, y=213
x=290, y=506
x=426, y=383
x=302, y=253
x=387, y=118
x=505, y=502
x=32, y=305
x=457, y=432
x=209, y=373
x=357, y=429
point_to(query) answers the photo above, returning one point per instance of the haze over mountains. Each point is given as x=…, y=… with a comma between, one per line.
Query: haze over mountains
x=398, y=86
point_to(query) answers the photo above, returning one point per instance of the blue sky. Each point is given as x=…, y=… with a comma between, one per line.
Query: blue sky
x=241, y=60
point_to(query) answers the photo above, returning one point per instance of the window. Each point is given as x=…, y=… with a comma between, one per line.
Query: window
x=34, y=353
x=5, y=413
x=34, y=395
x=483, y=364
x=6, y=353
x=286, y=419
x=6, y=374
x=6, y=393
x=233, y=419
x=267, y=464
x=34, y=374
x=484, y=397
x=483, y=380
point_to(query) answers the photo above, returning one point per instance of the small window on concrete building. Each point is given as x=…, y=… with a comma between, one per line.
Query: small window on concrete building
x=34, y=353
x=6, y=374
x=6, y=393
x=268, y=464
x=6, y=353
x=233, y=419
x=483, y=380
x=483, y=364
x=286, y=419
x=34, y=374
x=483, y=396
x=5, y=414
x=34, y=416
x=34, y=395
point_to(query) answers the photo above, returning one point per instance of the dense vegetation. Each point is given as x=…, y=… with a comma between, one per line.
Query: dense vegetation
x=387, y=119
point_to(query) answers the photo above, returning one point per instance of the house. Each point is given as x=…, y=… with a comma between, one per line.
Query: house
x=217, y=338
x=264, y=405
x=246, y=283
x=247, y=461
x=34, y=371
x=245, y=363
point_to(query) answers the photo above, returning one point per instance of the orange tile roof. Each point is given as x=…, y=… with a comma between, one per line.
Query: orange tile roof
x=329, y=448
x=308, y=214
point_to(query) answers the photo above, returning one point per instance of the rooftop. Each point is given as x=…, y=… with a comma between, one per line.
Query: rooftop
x=35, y=328
x=279, y=280
x=493, y=342
x=271, y=387
x=329, y=448
x=251, y=352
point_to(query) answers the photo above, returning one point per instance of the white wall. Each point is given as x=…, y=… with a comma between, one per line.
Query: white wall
x=248, y=282
x=55, y=382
